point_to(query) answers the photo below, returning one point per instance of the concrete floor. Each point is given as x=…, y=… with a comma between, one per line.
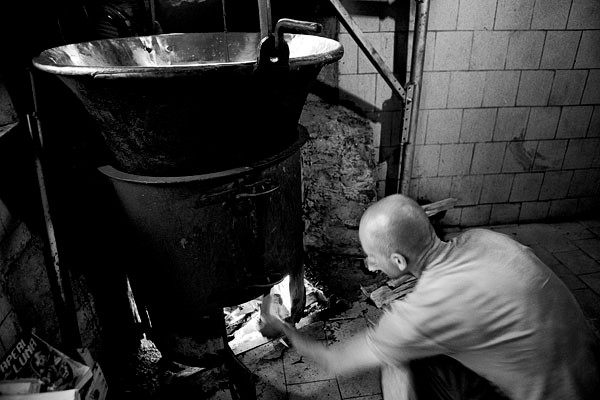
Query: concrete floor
x=571, y=249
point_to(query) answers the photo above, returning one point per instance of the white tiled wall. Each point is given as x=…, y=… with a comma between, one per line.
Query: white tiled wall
x=509, y=117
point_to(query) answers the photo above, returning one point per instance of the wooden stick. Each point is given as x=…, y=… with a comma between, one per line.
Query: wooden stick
x=439, y=206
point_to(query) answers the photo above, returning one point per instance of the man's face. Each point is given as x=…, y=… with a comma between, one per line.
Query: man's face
x=382, y=263
x=377, y=260
x=371, y=234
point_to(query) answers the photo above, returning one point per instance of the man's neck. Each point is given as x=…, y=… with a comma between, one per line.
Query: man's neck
x=426, y=256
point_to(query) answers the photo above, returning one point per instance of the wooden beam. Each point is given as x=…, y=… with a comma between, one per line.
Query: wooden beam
x=385, y=294
x=439, y=206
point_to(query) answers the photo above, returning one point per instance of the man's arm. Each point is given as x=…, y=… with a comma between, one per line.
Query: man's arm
x=352, y=356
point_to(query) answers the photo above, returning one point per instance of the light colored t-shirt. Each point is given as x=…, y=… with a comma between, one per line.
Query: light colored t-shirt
x=490, y=303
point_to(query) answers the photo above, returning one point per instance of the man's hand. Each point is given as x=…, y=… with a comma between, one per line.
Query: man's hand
x=270, y=324
x=354, y=355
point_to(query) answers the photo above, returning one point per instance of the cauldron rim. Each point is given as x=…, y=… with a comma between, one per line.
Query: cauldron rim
x=52, y=60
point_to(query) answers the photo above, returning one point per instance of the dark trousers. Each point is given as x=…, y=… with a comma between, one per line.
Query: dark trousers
x=436, y=378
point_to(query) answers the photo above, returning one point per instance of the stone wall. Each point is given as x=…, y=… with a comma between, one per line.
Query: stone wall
x=26, y=299
x=11, y=245
x=339, y=176
x=386, y=27
x=14, y=237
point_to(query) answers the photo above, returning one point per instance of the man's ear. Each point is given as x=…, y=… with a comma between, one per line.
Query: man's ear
x=399, y=260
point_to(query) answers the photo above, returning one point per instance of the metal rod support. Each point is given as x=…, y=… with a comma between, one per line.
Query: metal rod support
x=59, y=276
x=368, y=49
x=46, y=209
x=264, y=15
x=416, y=78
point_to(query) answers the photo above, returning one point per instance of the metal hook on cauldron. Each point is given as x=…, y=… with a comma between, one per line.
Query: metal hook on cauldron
x=273, y=49
x=293, y=26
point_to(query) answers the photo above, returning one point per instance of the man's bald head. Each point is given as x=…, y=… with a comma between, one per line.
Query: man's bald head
x=397, y=224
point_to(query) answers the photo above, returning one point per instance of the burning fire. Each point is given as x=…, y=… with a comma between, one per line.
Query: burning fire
x=242, y=321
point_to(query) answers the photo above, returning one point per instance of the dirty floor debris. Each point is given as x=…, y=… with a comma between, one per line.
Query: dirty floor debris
x=571, y=249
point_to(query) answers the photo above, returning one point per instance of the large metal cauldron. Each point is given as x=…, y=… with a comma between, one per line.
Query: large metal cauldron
x=212, y=240
x=202, y=129
x=193, y=103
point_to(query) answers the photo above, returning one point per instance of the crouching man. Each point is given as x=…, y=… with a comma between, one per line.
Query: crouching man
x=486, y=319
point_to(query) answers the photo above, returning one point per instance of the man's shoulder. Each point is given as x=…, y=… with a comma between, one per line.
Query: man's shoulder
x=483, y=236
x=480, y=232
x=482, y=255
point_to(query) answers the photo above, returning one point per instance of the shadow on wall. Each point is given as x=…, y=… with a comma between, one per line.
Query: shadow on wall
x=390, y=38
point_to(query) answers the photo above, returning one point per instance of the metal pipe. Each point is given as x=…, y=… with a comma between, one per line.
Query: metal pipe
x=416, y=78
x=294, y=26
x=154, y=28
x=59, y=277
x=264, y=15
x=225, y=30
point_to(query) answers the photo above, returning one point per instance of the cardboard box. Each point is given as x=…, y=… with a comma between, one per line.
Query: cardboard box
x=72, y=394
x=20, y=386
x=97, y=388
x=33, y=358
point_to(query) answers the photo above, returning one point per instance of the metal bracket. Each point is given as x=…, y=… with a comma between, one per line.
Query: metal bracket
x=272, y=54
x=406, y=118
